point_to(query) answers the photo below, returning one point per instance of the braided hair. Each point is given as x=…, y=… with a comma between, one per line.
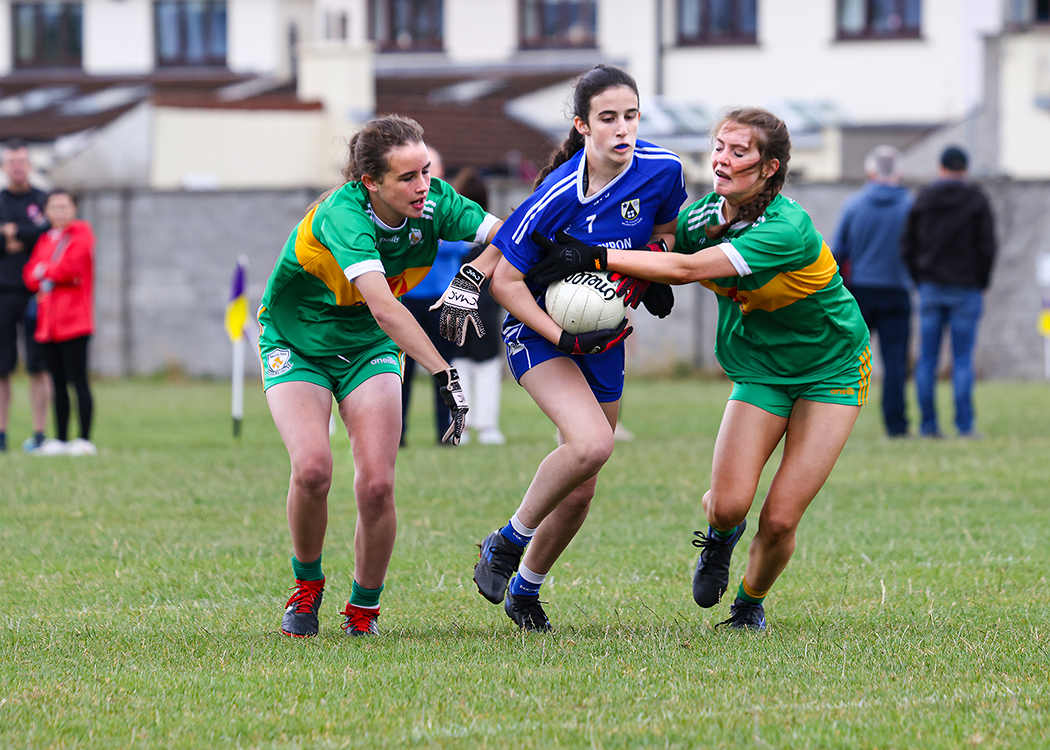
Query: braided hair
x=773, y=142
x=593, y=82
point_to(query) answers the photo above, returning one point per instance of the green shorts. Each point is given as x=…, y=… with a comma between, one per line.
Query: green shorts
x=340, y=374
x=850, y=388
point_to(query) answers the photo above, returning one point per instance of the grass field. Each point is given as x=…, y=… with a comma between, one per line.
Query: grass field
x=142, y=591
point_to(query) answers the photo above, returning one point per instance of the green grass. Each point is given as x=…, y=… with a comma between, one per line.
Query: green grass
x=142, y=591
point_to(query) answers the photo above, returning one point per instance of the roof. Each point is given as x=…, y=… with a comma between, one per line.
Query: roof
x=40, y=107
x=466, y=114
x=468, y=117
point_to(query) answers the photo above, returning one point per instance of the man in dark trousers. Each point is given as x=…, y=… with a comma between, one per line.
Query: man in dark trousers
x=867, y=247
x=949, y=247
x=22, y=222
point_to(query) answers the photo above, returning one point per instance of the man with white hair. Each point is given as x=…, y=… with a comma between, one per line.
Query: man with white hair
x=867, y=247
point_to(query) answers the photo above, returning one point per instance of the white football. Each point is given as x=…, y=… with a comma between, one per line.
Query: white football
x=586, y=301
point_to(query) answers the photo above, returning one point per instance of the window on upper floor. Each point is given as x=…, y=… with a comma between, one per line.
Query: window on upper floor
x=717, y=22
x=406, y=25
x=557, y=24
x=190, y=32
x=47, y=35
x=1027, y=12
x=879, y=19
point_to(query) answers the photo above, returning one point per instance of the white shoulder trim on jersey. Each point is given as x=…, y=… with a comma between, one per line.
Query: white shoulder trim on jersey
x=486, y=226
x=353, y=271
x=655, y=152
x=566, y=183
x=741, y=266
x=701, y=215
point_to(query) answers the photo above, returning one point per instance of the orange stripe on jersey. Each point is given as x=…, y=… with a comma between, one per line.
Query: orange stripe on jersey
x=865, y=376
x=789, y=287
x=317, y=260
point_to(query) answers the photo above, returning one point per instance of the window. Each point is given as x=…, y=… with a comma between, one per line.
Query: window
x=48, y=35
x=717, y=21
x=406, y=25
x=557, y=24
x=190, y=32
x=1020, y=13
x=878, y=19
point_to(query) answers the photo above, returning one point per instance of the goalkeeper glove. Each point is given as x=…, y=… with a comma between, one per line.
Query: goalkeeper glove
x=566, y=255
x=594, y=342
x=456, y=401
x=459, y=305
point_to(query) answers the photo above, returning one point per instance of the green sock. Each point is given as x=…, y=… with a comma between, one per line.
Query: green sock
x=723, y=534
x=362, y=597
x=307, y=571
x=741, y=593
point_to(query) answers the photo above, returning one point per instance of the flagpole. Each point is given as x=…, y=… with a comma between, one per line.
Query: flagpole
x=237, y=405
x=235, y=328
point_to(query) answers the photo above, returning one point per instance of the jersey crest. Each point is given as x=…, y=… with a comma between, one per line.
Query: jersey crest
x=630, y=210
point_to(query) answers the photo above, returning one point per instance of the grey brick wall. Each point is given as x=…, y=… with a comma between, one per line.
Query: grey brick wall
x=165, y=260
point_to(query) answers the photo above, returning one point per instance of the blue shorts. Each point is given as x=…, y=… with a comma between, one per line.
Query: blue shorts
x=526, y=349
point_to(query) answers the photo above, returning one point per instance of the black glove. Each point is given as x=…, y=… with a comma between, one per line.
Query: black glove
x=459, y=305
x=456, y=401
x=594, y=342
x=659, y=299
x=566, y=255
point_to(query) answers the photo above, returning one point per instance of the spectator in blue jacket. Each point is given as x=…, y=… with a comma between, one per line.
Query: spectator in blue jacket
x=867, y=247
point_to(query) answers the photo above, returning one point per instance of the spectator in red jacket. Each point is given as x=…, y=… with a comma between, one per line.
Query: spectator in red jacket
x=61, y=273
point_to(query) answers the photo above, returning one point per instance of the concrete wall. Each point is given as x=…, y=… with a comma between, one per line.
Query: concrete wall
x=165, y=261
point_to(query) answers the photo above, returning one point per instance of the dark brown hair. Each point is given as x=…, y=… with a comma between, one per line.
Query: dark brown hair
x=372, y=144
x=593, y=82
x=773, y=142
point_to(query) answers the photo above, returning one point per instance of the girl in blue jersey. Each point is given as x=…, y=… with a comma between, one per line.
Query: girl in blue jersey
x=602, y=187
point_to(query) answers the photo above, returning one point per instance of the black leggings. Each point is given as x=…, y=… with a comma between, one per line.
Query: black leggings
x=67, y=363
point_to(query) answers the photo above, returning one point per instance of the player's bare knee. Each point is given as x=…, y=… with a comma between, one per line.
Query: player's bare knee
x=313, y=475
x=724, y=513
x=777, y=530
x=374, y=494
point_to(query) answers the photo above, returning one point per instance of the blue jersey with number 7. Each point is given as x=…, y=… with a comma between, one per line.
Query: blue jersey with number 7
x=621, y=215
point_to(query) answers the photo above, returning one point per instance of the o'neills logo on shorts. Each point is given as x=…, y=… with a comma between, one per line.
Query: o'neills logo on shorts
x=384, y=361
x=278, y=362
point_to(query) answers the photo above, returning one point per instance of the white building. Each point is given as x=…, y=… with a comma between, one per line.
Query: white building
x=260, y=93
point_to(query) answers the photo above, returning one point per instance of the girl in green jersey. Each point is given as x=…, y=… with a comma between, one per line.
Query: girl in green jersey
x=333, y=325
x=790, y=337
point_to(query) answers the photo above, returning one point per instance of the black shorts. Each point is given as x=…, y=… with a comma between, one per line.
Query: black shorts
x=14, y=307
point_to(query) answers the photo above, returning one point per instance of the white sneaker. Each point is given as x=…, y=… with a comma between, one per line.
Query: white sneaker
x=81, y=447
x=491, y=436
x=52, y=447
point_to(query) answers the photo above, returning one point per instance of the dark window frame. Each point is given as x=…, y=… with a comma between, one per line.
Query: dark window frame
x=389, y=31
x=214, y=10
x=532, y=14
x=69, y=43
x=704, y=36
x=872, y=28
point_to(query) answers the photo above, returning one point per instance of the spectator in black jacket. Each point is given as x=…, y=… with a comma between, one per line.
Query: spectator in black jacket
x=948, y=246
x=22, y=221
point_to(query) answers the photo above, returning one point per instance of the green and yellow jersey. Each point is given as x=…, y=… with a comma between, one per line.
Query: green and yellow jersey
x=311, y=301
x=785, y=318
